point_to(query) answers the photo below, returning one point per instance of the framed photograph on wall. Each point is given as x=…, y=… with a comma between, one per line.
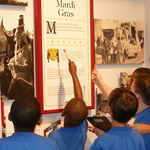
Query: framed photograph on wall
x=101, y=104
x=119, y=41
x=63, y=30
x=14, y=2
x=16, y=58
x=124, y=77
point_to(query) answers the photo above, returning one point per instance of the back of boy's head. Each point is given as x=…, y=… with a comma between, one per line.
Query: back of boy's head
x=25, y=112
x=123, y=104
x=142, y=87
x=75, y=112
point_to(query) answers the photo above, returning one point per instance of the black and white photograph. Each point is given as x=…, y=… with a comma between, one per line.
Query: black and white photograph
x=119, y=42
x=101, y=104
x=124, y=78
x=16, y=56
x=14, y=2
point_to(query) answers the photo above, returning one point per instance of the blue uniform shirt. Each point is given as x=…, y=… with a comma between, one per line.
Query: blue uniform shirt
x=27, y=141
x=70, y=138
x=144, y=117
x=119, y=138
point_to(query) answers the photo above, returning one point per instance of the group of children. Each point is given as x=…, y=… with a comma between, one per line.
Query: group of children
x=139, y=84
x=123, y=104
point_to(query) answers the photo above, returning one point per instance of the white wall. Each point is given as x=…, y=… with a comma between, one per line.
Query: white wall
x=120, y=10
x=130, y=10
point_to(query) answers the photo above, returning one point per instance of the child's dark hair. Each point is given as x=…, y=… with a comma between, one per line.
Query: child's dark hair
x=25, y=112
x=142, y=70
x=142, y=87
x=123, y=104
x=75, y=112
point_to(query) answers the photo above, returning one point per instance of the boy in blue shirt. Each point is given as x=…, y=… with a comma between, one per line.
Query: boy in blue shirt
x=122, y=105
x=141, y=88
x=73, y=135
x=25, y=114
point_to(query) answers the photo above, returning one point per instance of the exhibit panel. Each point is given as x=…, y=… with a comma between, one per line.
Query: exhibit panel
x=64, y=30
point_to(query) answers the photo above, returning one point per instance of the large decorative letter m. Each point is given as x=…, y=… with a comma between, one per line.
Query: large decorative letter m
x=51, y=27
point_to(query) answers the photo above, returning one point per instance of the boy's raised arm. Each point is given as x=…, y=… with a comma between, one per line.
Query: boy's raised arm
x=76, y=83
x=97, y=79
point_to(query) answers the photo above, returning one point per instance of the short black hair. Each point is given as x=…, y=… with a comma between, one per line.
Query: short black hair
x=123, y=104
x=25, y=112
x=75, y=112
x=142, y=87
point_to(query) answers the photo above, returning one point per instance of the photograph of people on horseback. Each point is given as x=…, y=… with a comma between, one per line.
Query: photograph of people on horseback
x=16, y=56
x=119, y=42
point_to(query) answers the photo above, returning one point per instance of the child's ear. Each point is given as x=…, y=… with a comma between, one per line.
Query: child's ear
x=138, y=96
x=39, y=121
x=109, y=110
x=63, y=113
x=9, y=117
